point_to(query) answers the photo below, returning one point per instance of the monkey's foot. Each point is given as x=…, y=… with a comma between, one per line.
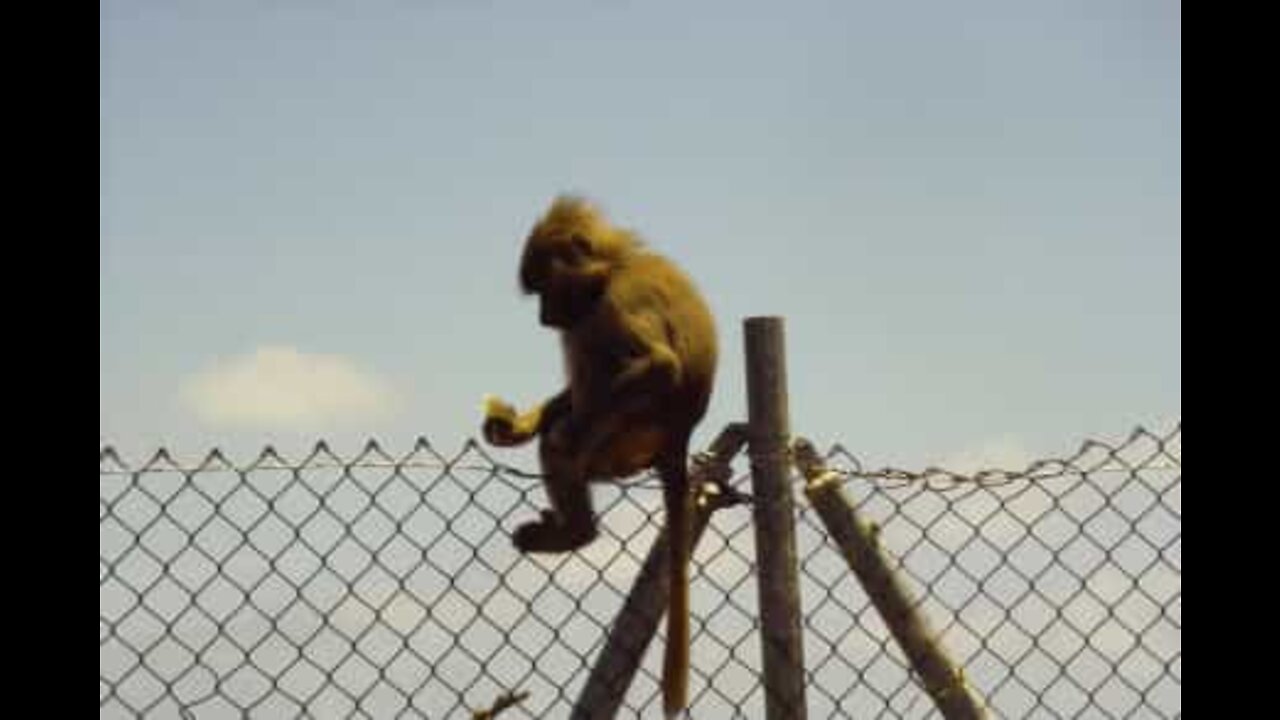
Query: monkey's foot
x=550, y=535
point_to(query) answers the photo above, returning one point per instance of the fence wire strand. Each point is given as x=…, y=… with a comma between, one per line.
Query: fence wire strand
x=385, y=585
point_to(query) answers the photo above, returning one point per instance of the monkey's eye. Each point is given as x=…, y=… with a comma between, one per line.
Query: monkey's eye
x=580, y=246
x=561, y=267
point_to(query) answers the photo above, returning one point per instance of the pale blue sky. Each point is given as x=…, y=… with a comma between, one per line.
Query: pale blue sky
x=969, y=213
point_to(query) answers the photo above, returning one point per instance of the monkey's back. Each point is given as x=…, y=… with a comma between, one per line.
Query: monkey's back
x=651, y=286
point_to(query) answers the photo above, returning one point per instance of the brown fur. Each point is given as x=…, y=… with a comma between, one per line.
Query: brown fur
x=640, y=355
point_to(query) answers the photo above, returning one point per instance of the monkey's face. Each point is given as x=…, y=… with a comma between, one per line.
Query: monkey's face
x=565, y=275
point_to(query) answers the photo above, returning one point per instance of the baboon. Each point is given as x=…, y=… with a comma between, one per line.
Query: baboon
x=640, y=355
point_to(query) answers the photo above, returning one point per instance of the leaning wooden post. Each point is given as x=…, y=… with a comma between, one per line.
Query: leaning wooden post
x=637, y=621
x=774, y=514
x=859, y=543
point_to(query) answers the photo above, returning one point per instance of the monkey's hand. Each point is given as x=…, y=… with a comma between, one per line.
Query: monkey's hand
x=500, y=423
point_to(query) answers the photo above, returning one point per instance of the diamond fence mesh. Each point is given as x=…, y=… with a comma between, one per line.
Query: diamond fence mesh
x=386, y=586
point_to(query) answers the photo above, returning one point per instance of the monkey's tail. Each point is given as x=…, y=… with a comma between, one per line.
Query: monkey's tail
x=680, y=509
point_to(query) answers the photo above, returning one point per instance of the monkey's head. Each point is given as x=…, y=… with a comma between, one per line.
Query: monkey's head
x=568, y=260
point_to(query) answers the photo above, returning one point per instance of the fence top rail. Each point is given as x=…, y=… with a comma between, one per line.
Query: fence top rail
x=1143, y=448
x=372, y=455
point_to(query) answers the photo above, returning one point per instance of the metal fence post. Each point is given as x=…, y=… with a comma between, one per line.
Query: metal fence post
x=774, y=516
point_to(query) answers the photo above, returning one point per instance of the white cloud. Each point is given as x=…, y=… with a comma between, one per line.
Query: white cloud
x=277, y=387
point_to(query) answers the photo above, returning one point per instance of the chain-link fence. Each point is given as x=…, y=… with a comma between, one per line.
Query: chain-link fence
x=386, y=586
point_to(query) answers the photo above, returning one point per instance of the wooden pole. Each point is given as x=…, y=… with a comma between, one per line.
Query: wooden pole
x=768, y=424
x=859, y=543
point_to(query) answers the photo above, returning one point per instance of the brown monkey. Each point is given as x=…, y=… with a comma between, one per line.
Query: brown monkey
x=640, y=355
